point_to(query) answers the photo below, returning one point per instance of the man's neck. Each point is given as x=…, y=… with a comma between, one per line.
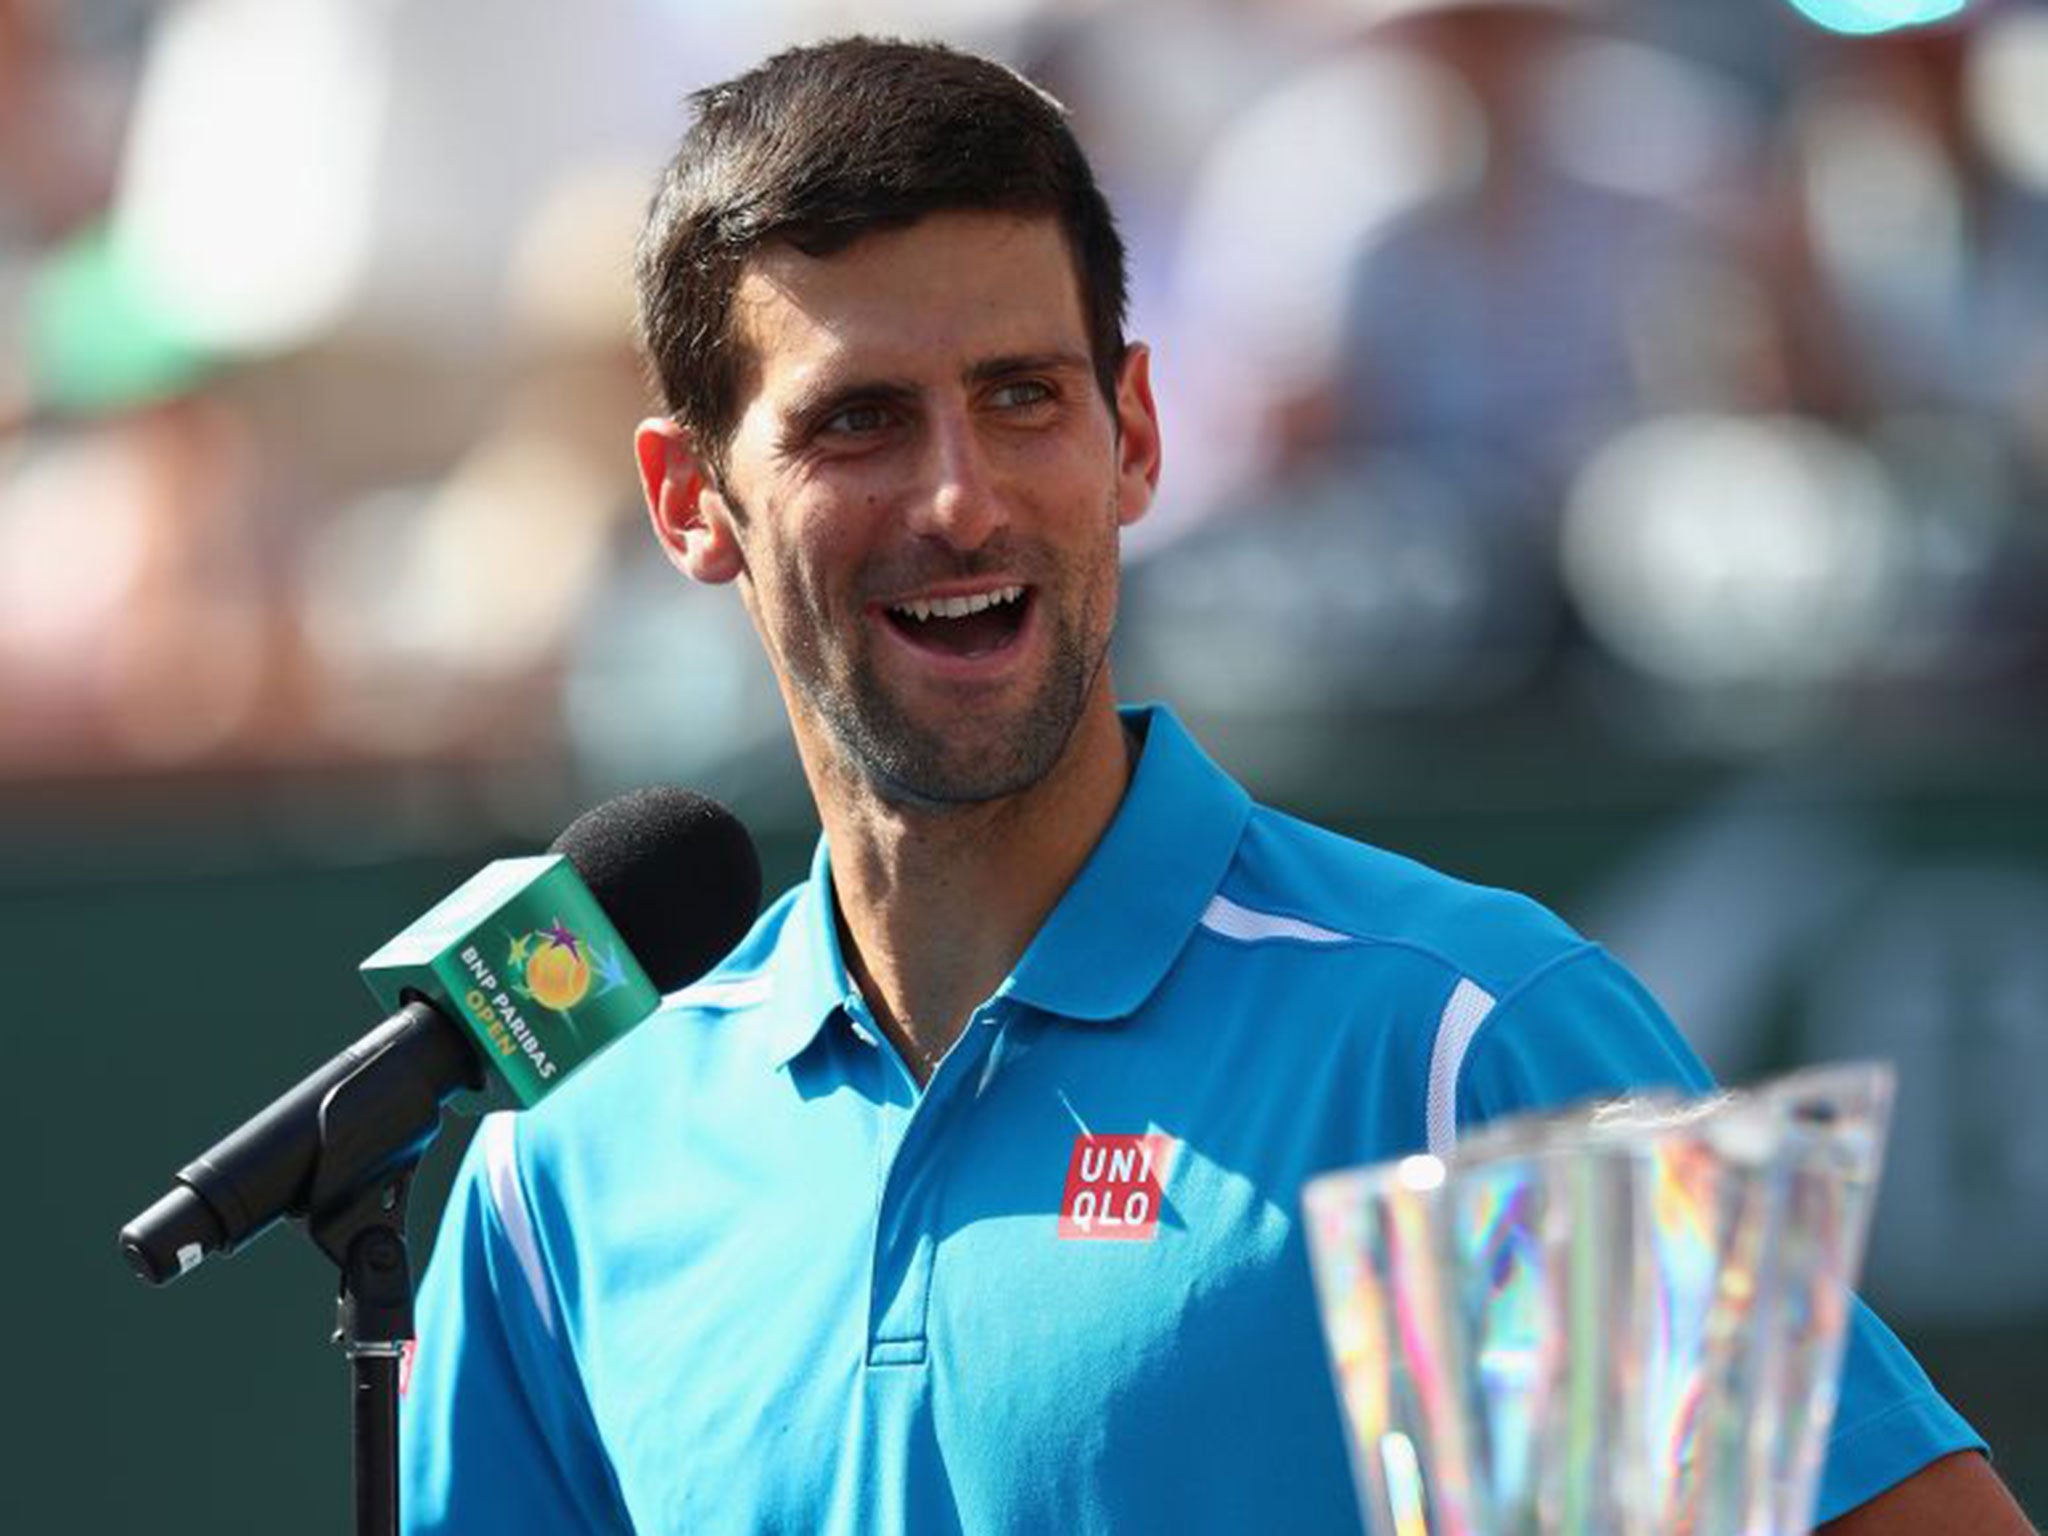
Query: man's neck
x=936, y=905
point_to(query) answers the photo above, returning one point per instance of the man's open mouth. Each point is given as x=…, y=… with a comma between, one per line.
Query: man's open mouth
x=969, y=625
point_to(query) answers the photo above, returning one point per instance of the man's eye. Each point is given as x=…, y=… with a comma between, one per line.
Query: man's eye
x=855, y=421
x=1020, y=394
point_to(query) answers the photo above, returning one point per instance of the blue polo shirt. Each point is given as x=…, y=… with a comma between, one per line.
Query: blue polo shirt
x=743, y=1275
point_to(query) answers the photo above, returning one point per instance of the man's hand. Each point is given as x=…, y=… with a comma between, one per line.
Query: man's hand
x=1958, y=1495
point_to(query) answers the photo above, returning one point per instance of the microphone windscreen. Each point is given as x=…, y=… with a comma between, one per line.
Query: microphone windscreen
x=676, y=873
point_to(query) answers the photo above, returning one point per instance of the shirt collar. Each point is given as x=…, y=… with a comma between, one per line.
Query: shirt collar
x=1130, y=911
x=1111, y=939
x=811, y=980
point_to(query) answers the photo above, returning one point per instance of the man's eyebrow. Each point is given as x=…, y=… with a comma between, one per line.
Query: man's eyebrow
x=1027, y=362
x=829, y=395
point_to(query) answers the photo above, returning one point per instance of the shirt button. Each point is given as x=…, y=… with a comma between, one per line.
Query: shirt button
x=851, y=1007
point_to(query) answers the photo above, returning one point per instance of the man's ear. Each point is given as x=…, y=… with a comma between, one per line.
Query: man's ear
x=1137, y=420
x=691, y=518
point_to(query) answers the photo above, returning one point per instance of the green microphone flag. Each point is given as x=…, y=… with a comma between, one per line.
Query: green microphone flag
x=524, y=956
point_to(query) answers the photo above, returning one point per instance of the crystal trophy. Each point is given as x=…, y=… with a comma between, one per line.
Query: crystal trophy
x=1619, y=1321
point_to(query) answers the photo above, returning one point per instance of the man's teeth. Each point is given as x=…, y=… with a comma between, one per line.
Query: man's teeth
x=922, y=608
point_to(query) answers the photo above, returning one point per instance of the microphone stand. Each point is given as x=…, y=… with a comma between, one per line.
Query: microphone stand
x=362, y=1175
x=338, y=1154
x=373, y=1325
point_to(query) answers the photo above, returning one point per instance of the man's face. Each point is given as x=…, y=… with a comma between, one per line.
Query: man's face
x=923, y=494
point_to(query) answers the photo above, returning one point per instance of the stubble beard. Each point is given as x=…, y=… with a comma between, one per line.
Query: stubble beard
x=914, y=763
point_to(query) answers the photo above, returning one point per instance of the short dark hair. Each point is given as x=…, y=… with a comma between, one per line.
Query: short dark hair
x=822, y=144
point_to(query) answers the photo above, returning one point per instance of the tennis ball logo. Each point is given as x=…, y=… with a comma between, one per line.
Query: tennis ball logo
x=554, y=967
x=557, y=975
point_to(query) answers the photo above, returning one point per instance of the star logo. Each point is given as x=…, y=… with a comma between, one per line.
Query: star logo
x=561, y=969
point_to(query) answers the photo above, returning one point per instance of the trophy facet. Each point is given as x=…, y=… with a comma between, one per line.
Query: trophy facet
x=1622, y=1321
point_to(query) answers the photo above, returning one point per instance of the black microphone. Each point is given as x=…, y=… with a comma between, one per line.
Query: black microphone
x=526, y=971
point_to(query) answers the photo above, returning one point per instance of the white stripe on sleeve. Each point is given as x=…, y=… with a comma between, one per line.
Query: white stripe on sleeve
x=1467, y=1009
x=501, y=1168
x=1226, y=917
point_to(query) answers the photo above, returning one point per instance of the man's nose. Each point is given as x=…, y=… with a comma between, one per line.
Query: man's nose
x=960, y=502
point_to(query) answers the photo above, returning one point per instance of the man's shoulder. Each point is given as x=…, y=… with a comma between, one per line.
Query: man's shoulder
x=690, y=1038
x=746, y=976
x=1290, y=871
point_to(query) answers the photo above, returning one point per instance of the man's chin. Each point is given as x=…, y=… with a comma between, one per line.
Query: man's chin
x=968, y=764
x=956, y=749
x=950, y=782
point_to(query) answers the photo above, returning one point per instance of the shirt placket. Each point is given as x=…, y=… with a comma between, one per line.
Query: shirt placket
x=914, y=1129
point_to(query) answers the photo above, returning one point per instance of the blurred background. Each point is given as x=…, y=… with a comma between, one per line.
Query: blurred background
x=1607, y=455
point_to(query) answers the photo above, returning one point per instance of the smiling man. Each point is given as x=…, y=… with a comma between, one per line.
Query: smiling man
x=919, y=501
x=964, y=1196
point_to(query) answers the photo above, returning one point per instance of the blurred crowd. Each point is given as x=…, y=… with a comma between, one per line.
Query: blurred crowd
x=1689, y=357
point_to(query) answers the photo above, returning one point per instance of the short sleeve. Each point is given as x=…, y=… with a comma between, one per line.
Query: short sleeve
x=1584, y=1028
x=494, y=1431
x=1890, y=1422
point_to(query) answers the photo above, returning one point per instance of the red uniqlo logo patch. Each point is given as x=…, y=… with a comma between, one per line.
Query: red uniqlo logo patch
x=1114, y=1186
